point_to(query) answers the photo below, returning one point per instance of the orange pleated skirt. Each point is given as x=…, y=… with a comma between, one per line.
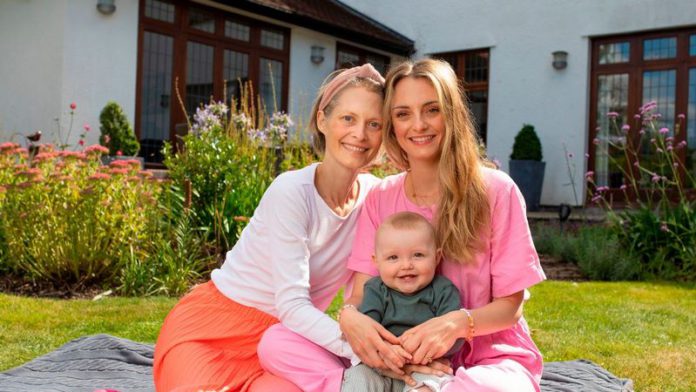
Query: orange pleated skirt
x=208, y=342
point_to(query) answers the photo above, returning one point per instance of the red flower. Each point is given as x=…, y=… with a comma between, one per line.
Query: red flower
x=81, y=142
x=73, y=106
x=119, y=153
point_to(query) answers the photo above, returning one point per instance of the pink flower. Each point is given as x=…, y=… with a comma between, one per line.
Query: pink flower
x=81, y=142
x=681, y=144
x=118, y=171
x=636, y=116
x=681, y=116
x=623, y=187
x=655, y=178
x=626, y=128
x=96, y=148
x=596, y=198
x=589, y=174
x=641, y=132
x=602, y=189
x=648, y=107
x=8, y=146
x=612, y=114
x=73, y=106
x=119, y=153
x=669, y=139
x=87, y=127
x=670, y=148
x=664, y=131
x=636, y=164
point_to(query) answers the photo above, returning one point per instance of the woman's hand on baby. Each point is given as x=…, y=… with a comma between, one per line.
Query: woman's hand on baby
x=438, y=367
x=429, y=340
x=371, y=342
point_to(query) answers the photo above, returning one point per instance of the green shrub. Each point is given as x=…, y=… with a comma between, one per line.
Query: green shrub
x=596, y=250
x=68, y=220
x=527, y=145
x=659, y=224
x=116, y=132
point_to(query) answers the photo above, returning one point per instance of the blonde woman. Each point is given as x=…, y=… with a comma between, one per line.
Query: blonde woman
x=290, y=259
x=481, y=225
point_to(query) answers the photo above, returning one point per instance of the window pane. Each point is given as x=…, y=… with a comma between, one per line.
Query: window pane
x=347, y=59
x=618, y=52
x=271, y=84
x=451, y=58
x=199, y=75
x=235, y=71
x=156, y=97
x=691, y=125
x=692, y=45
x=478, y=101
x=661, y=48
x=272, y=39
x=612, y=96
x=379, y=62
x=476, y=67
x=201, y=20
x=658, y=86
x=159, y=10
x=237, y=30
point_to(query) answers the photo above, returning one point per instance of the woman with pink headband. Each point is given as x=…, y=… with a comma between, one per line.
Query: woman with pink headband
x=289, y=261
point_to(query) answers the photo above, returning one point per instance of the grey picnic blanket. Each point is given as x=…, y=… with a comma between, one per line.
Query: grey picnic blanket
x=108, y=362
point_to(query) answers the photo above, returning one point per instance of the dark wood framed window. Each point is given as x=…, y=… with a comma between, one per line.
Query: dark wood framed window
x=627, y=72
x=472, y=68
x=207, y=52
x=349, y=56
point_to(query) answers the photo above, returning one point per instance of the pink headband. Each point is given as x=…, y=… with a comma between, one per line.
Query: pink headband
x=340, y=81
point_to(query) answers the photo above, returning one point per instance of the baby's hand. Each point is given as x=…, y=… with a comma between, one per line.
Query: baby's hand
x=398, y=350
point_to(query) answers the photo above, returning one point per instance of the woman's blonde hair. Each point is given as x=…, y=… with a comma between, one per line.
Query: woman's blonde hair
x=463, y=211
x=318, y=138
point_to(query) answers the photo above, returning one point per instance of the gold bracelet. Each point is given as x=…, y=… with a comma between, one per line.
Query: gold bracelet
x=470, y=334
x=342, y=308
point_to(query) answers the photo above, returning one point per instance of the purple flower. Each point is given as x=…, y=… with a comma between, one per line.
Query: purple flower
x=669, y=139
x=612, y=114
x=589, y=174
x=626, y=128
x=637, y=116
x=655, y=178
x=596, y=198
x=623, y=187
x=664, y=131
x=648, y=107
x=636, y=164
x=681, y=116
x=670, y=148
x=602, y=189
x=681, y=144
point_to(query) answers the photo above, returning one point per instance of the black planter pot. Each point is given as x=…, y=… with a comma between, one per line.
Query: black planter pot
x=529, y=177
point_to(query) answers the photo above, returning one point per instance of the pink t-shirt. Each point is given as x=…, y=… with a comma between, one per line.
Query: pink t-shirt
x=508, y=264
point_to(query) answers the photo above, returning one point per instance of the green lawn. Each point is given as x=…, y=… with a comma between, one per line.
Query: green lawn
x=643, y=331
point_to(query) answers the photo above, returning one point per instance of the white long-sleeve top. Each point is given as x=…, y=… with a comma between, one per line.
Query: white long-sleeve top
x=291, y=258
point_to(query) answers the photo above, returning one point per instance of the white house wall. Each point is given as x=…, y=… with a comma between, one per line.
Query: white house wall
x=31, y=43
x=62, y=51
x=523, y=86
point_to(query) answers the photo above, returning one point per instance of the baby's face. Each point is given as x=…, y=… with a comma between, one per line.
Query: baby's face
x=406, y=258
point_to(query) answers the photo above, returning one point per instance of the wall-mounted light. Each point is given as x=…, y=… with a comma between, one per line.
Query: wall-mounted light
x=317, y=54
x=106, y=7
x=560, y=59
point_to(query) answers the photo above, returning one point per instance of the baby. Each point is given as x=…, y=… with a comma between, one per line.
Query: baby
x=406, y=293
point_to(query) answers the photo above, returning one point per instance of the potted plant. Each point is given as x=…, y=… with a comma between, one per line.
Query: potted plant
x=117, y=134
x=526, y=166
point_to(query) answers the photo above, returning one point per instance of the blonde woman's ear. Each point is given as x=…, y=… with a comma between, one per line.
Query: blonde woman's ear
x=321, y=121
x=439, y=255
